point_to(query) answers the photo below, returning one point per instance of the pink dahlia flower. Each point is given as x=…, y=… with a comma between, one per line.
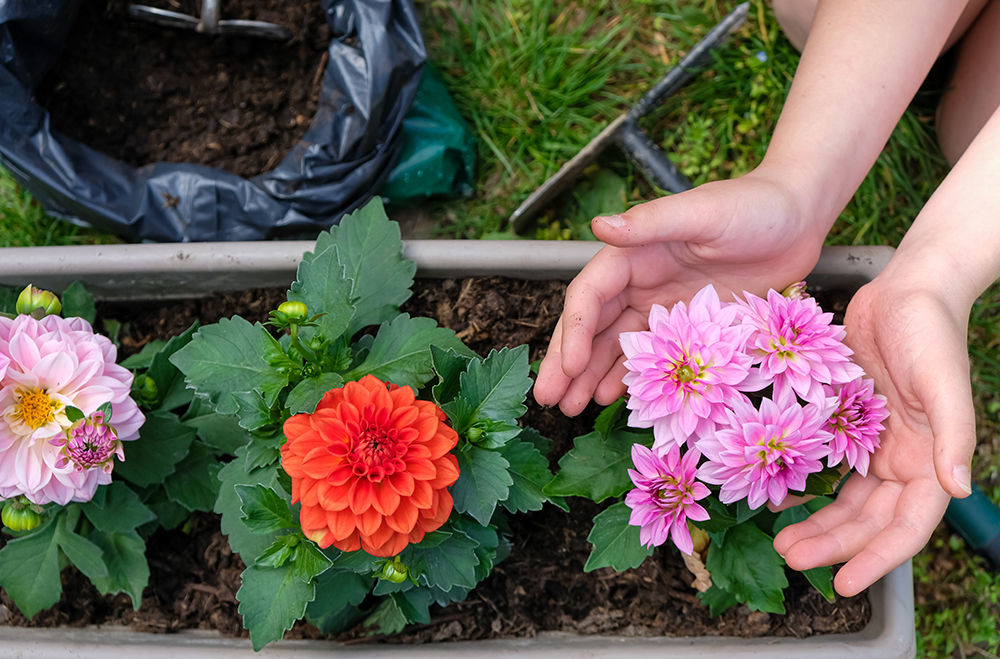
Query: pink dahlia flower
x=665, y=496
x=855, y=423
x=686, y=368
x=767, y=452
x=55, y=363
x=796, y=346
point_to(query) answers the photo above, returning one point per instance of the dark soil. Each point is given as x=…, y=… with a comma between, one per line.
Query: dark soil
x=540, y=587
x=143, y=93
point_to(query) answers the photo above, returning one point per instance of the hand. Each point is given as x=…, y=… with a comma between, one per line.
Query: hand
x=750, y=233
x=911, y=339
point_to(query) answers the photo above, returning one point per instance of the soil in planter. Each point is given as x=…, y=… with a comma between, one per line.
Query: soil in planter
x=143, y=93
x=540, y=587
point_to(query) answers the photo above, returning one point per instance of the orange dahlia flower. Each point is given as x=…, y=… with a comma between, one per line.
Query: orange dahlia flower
x=370, y=467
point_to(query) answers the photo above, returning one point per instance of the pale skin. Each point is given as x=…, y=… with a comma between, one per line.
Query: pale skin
x=862, y=62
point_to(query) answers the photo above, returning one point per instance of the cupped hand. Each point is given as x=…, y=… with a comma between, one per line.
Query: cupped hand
x=911, y=339
x=750, y=233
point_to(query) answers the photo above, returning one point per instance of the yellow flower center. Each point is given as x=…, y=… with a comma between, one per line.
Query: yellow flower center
x=35, y=408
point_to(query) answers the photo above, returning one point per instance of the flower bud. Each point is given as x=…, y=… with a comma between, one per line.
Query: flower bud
x=394, y=571
x=20, y=515
x=147, y=389
x=32, y=298
x=699, y=538
x=796, y=291
x=90, y=443
x=294, y=310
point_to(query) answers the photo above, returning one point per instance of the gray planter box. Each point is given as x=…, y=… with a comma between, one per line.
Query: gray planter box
x=149, y=272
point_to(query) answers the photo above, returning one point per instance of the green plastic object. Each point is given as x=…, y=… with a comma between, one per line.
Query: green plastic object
x=438, y=156
x=977, y=519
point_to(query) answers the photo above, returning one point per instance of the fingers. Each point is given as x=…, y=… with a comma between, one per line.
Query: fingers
x=551, y=383
x=679, y=217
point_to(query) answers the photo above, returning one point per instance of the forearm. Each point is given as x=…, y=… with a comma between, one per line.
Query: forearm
x=863, y=62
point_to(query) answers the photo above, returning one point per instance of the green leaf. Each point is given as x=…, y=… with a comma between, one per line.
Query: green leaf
x=449, y=366
x=163, y=442
x=357, y=561
x=370, y=247
x=719, y=518
x=451, y=563
x=125, y=556
x=799, y=513
x=337, y=593
x=82, y=553
x=488, y=539
x=307, y=394
x=253, y=411
x=822, y=482
x=263, y=451
x=77, y=301
x=744, y=512
x=219, y=431
x=483, y=481
x=388, y=616
x=169, y=514
x=822, y=580
x=609, y=417
x=264, y=510
x=74, y=414
x=401, y=351
x=321, y=283
x=271, y=601
x=493, y=388
x=121, y=512
x=279, y=553
x=616, y=542
x=309, y=562
x=542, y=444
x=717, y=600
x=195, y=483
x=29, y=570
x=529, y=470
x=173, y=392
x=242, y=539
x=749, y=568
x=8, y=299
x=228, y=358
x=596, y=468
x=144, y=357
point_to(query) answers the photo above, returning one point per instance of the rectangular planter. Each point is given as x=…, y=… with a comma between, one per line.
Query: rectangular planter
x=164, y=271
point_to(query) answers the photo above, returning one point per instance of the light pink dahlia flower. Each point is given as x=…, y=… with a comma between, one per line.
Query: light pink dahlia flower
x=796, y=346
x=764, y=453
x=665, y=496
x=55, y=363
x=855, y=423
x=686, y=368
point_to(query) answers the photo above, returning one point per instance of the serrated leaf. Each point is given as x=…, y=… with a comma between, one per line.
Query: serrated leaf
x=596, y=468
x=609, y=417
x=271, y=601
x=264, y=510
x=323, y=286
x=29, y=570
x=529, y=470
x=228, y=358
x=717, y=600
x=144, y=357
x=277, y=554
x=337, y=595
x=253, y=411
x=542, y=444
x=85, y=555
x=449, y=366
x=309, y=562
x=263, y=451
x=120, y=512
x=483, y=482
x=357, y=561
x=401, y=351
x=195, y=482
x=486, y=552
x=449, y=564
x=125, y=556
x=78, y=302
x=493, y=388
x=370, y=247
x=749, y=568
x=388, y=617
x=163, y=442
x=719, y=518
x=616, y=542
x=219, y=431
x=307, y=394
x=169, y=514
x=173, y=391
x=242, y=540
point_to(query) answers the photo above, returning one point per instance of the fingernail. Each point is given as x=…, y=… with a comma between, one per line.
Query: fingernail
x=616, y=220
x=962, y=478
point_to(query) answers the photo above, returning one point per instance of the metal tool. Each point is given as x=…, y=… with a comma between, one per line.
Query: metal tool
x=209, y=22
x=626, y=132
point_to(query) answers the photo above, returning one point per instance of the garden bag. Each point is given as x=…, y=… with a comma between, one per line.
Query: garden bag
x=375, y=63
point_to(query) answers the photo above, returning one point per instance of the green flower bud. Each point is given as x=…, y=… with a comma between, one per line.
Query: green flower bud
x=147, y=387
x=32, y=298
x=394, y=571
x=294, y=310
x=20, y=515
x=475, y=433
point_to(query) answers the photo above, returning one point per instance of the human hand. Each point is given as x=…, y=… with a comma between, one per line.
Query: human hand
x=910, y=336
x=752, y=233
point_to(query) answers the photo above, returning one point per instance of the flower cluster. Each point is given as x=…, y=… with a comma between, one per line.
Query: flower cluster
x=688, y=379
x=56, y=376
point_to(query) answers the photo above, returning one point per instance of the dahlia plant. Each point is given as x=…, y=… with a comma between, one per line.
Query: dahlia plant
x=376, y=455
x=731, y=406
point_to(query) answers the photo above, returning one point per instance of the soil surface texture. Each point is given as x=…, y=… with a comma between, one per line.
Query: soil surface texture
x=144, y=93
x=540, y=587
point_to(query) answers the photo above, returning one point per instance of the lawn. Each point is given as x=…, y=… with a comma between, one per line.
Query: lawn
x=536, y=80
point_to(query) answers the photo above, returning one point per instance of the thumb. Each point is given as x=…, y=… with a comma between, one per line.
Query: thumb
x=688, y=216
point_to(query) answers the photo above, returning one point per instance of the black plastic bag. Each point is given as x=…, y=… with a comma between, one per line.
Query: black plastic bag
x=375, y=64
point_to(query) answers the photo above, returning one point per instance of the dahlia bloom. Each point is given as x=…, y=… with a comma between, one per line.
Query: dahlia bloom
x=371, y=466
x=684, y=370
x=665, y=496
x=55, y=363
x=796, y=346
x=764, y=453
x=855, y=423
x=89, y=443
